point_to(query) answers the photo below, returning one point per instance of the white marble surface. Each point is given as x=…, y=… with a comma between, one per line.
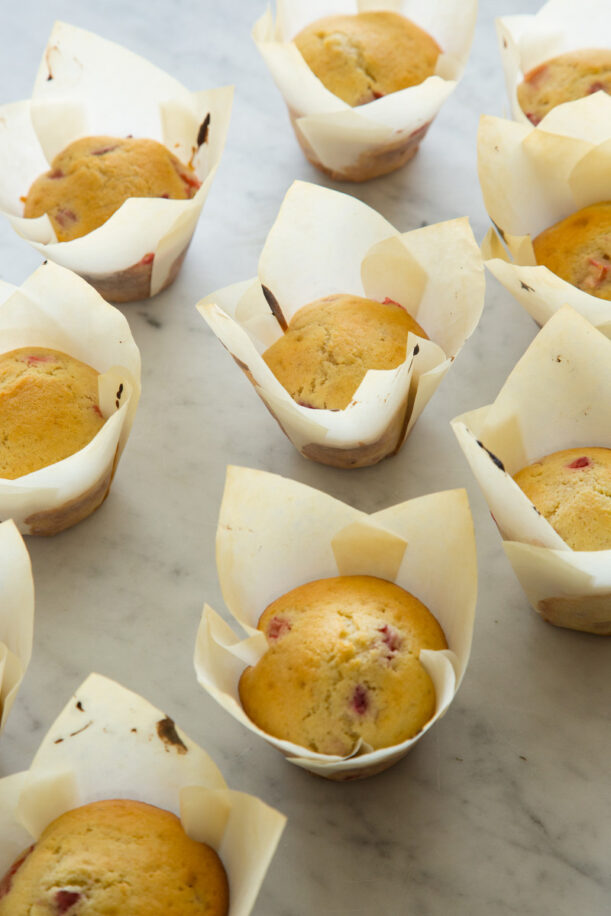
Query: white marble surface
x=504, y=808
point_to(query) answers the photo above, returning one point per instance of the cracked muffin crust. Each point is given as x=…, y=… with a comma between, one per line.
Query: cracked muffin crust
x=90, y=179
x=343, y=665
x=564, y=78
x=363, y=57
x=331, y=343
x=112, y=857
x=572, y=490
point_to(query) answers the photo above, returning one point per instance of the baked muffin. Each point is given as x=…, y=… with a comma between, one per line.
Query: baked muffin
x=331, y=343
x=48, y=409
x=578, y=249
x=564, y=79
x=112, y=857
x=572, y=490
x=363, y=57
x=343, y=665
x=90, y=179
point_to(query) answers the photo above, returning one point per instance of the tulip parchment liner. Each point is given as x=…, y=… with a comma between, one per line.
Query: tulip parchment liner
x=89, y=86
x=275, y=534
x=16, y=615
x=558, y=396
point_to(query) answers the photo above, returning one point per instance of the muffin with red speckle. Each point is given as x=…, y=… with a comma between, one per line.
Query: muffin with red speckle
x=572, y=490
x=116, y=856
x=565, y=78
x=343, y=666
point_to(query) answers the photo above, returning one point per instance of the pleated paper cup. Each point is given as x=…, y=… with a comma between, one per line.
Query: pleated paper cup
x=559, y=27
x=435, y=273
x=16, y=615
x=532, y=177
x=110, y=743
x=88, y=86
x=275, y=534
x=55, y=308
x=355, y=144
x=557, y=397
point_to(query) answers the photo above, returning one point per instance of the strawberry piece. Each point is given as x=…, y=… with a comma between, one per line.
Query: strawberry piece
x=65, y=900
x=65, y=216
x=391, y=638
x=278, y=626
x=580, y=463
x=360, y=700
x=148, y=258
x=6, y=882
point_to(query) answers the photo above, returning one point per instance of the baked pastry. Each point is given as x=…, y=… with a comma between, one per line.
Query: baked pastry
x=343, y=665
x=362, y=57
x=48, y=409
x=331, y=343
x=90, y=179
x=578, y=249
x=564, y=78
x=572, y=490
x=116, y=856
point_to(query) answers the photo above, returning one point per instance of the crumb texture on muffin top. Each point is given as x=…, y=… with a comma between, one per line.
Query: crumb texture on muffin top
x=578, y=249
x=572, y=490
x=565, y=78
x=363, y=57
x=343, y=664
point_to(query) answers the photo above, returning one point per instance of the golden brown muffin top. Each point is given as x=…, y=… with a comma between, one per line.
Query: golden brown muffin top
x=116, y=857
x=564, y=78
x=90, y=179
x=572, y=490
x=578, y=249
x=363, y=57
x=48, y=409
x=343, y=664
x=331, y=343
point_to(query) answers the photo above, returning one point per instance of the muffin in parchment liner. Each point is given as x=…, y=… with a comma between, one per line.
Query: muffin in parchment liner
x=557, y=397
x=111, y=743
x=559, y=27
x=356, y=144
x=56, y=309
x=435, y=273
x=275, y=534
x=16, y=615
x=87, y=86
x=533, y=177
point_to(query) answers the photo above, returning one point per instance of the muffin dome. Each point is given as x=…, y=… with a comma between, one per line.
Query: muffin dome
x=578, y=249
x=564, y=79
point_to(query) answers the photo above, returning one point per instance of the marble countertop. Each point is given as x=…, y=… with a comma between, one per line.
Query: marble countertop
x=504, y=807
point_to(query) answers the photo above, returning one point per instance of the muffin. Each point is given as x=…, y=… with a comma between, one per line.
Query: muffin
x=564, y=78
x=90, y=179
x=572, y=490
x=48, y=409
x=331, y=343
x=366, y=56
x=116, y=856
x=342, y=665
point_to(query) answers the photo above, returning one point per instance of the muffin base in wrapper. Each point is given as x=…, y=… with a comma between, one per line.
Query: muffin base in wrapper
x=55, y=308
x=557, y=397
x=110, y=743
x=425, y=545
x=16, y=615
x=88, y=86
x=435, y=273
x=356, y=144
x=533, y=177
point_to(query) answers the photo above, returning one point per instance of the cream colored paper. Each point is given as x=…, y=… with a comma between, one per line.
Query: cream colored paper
x=338, y=134
x=98, y=87
x=533, y=177
x=568, y=365
x=435, y=272
x=275, y=534
x=55, y=308
x=111, y=743
x=16, y=615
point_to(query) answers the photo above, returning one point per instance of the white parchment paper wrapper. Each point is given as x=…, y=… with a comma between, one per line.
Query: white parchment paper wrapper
x=88, y=86
x=16, y=615
x=110, y=743
x=557, y=397
x=532, y=177
x=435, y=273
x=55, y=308
x=369, y=140
x=559, y=26
x=275, y=534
